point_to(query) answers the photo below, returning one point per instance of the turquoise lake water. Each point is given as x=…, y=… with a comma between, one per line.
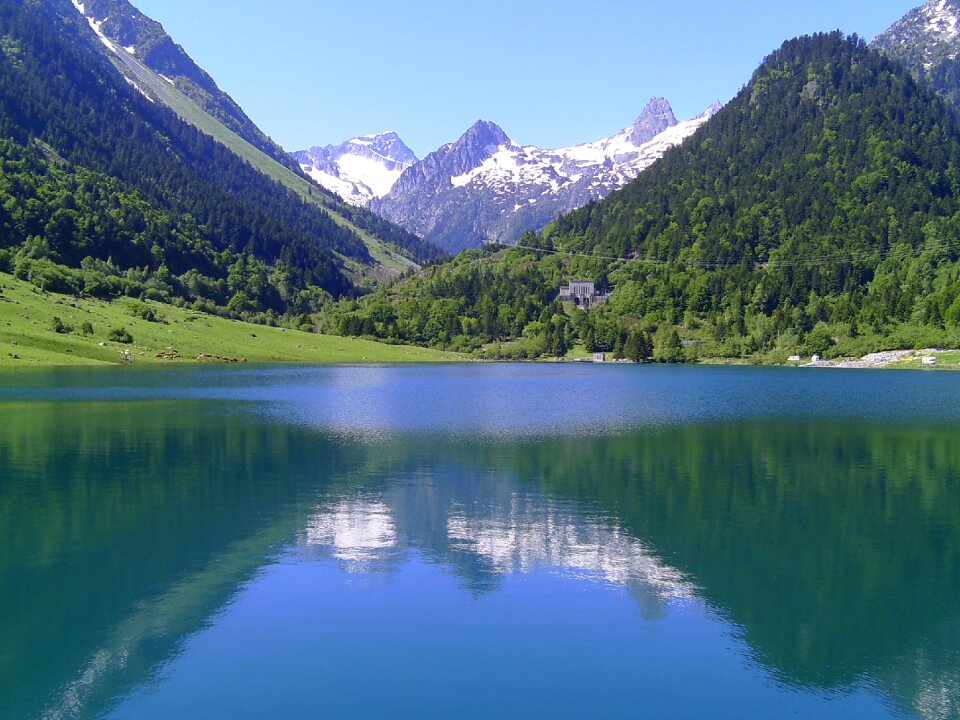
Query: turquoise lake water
x=479, y=541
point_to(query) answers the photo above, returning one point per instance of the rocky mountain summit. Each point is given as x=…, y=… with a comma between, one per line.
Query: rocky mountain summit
x=360, y=169
x=927, y=41
x=656, y=117
x=484, y=187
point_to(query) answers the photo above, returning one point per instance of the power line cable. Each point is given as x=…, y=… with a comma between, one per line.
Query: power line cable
x=942, y=245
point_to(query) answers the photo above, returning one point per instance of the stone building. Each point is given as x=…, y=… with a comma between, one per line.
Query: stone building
x=583, y=293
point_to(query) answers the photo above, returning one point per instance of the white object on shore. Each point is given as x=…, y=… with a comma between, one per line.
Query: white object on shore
x=794, y=358
x=928, y=360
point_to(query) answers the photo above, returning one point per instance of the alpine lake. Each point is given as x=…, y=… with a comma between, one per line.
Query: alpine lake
x=479, y=541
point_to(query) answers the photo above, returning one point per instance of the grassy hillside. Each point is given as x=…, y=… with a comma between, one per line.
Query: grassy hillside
x=28, y=335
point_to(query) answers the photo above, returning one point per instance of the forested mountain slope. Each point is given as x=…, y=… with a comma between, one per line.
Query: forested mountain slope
x=96, y=174
x=127, y=30
x=162, y=71
x=817, y=211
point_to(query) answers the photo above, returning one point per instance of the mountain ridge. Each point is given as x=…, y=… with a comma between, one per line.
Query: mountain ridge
x=485, y=188
x=392, y=250
x=107, y=174
x=123, y=27
x=109, y=188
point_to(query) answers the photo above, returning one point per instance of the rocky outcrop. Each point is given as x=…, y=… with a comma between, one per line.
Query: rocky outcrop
x=927, y=41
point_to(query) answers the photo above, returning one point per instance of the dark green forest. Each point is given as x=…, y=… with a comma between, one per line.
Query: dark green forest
x=817, y=212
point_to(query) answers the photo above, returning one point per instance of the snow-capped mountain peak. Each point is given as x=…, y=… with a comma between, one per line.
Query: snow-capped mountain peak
x=484, y=187
x=927, y=41
x=474, y=147
x=483, y=134
x=360, y=169
x=387, y=146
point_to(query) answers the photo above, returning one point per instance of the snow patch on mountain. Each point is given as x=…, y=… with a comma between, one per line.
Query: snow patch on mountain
x=619, y=158
x=360, y=169
x=95, y=26
x=925, y=37
x=941, y=19
x=138, y=88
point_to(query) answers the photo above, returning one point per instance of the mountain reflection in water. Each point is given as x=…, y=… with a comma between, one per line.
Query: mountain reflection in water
x=828, y=550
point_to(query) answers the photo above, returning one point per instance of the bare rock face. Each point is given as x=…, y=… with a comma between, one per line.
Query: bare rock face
x=656, y=117
x=927, y=41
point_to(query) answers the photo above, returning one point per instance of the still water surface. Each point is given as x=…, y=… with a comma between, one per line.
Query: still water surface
x=479, y=542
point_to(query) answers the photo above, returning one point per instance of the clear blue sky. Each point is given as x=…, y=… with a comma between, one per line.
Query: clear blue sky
x=550, y=72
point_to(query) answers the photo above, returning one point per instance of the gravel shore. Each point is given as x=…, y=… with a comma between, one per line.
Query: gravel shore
x=876, y=360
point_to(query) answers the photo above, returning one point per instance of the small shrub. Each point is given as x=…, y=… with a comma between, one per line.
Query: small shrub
x=60, y=327
x=86, y=329
x=120, y=335
x=145, y=312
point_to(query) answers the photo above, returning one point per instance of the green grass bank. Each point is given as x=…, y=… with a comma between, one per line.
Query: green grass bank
x=43, y=328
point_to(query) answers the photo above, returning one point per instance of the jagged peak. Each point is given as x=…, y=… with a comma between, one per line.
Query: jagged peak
x=485, y=133
x=656, y=117
x=712, y=109
x=658, y=106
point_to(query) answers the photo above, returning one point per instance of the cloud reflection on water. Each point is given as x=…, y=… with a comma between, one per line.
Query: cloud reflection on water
x=488, y=541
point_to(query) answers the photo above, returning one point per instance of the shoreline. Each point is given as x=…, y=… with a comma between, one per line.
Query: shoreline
x=925, y=359
x=414, y=355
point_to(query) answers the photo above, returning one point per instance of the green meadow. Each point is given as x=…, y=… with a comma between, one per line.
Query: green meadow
x=43, y=328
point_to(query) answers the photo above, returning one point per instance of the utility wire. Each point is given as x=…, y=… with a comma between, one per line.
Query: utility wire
x=942, y=245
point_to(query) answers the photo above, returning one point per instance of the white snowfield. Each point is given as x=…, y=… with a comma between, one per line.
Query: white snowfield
x=933, y=29
x=360, y=169
x=618, y=158
x=360, y=179
x=95, y=26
